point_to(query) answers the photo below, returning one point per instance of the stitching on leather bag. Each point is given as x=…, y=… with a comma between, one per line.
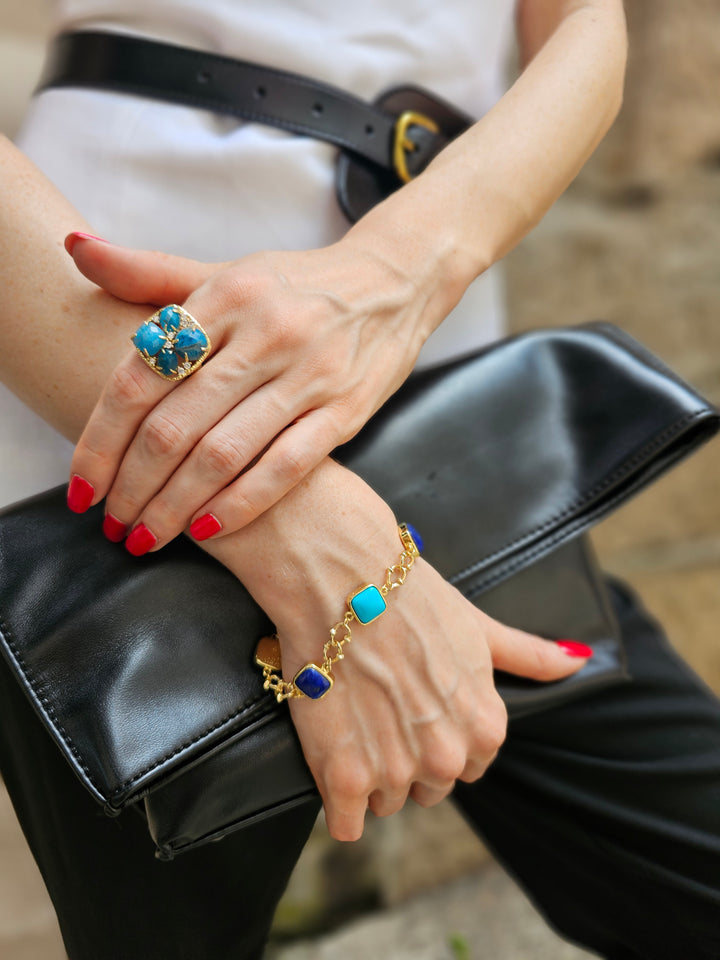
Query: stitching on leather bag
x=201, y=736
x=618, y=474
x=48, y=711
x=44, y=704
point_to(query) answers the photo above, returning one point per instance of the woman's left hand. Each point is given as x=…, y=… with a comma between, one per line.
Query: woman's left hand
x=306, y=346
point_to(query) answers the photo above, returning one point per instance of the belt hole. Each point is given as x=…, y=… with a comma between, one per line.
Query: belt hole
x=259, y=93
x=369, y=130
x=204, y=76
x=317, y=110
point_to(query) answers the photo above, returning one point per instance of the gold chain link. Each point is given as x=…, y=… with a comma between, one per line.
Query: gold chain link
x=340, y=633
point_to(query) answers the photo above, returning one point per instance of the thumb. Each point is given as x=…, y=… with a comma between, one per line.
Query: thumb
x=526, y=655
x=138, y=276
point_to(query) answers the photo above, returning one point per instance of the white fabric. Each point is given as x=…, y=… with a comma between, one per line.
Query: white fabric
x=174, y=178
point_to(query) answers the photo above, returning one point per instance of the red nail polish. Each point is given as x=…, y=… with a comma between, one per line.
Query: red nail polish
x=205, y=527
x=140, y=540
x=72, y=238
x=80, y=494
x=113, y=528
x=574, y=649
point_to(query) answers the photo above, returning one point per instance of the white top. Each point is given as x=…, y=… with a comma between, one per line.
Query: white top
x=174, y=178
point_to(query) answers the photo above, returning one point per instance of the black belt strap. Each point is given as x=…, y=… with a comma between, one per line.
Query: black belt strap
x=260, y=94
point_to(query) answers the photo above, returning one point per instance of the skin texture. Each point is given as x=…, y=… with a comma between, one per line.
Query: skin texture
x=308, y=345
x=414, y=706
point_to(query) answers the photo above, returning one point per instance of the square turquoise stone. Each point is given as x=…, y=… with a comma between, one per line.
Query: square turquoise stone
x=312, y=681
x=367, y=604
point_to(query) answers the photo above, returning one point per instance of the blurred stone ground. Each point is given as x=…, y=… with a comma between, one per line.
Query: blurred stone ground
x=636, y=240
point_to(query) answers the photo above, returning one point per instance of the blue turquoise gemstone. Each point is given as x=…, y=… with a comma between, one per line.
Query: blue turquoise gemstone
x=170, y=318
x=191, y=344
x=150, y=338
x=368, y=604
x=312, y=682
x=167, y=362
x=417, y=539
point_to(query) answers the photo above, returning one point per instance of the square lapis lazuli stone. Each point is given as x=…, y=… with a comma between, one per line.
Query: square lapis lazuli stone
x=312, y=681
x=368, y=604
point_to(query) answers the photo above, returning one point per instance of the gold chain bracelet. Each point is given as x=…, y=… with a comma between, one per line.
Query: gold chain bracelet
x=365, y=605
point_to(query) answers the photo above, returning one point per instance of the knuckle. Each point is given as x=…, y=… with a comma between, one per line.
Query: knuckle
x=341, y=423
x=490, y=729
x=294, y=463
x=90, y=459
x=159, y=436
x=497, y=722
x=163, y=519
x=122, y=503
x=128, y=388
x=347, y=781
x=234, y=289
x=221, y=456
x=398, y=778
x=445, y=766
x=244, y=508
x=541, y=662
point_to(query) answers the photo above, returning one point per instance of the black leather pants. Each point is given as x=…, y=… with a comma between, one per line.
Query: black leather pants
x=606, y=810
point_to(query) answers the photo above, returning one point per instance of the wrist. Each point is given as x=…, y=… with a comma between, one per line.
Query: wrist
x=301, y=558
x=421, y=248
x=366, y=604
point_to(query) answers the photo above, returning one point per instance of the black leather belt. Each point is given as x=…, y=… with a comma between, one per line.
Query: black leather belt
x=394, y=138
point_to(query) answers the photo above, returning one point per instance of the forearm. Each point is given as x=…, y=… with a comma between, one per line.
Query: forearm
x=489, y=187
x=61, y=335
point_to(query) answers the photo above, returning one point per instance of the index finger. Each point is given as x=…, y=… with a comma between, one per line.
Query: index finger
x=169, y=346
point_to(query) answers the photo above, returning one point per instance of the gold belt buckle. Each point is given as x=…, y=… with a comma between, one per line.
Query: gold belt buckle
x=403, y=144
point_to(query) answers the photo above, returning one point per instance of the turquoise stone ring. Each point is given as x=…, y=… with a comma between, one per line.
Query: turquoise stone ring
x=172, y=343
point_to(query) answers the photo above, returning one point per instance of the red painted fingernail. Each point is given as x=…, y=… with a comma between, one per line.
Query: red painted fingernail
x=574, y=649
x=205, y=527
x=80, y=494
x=72, y=238
x=113, y=528
x=140, y=540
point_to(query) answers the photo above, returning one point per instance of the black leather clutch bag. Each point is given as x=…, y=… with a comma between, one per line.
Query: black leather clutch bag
x=501, y=459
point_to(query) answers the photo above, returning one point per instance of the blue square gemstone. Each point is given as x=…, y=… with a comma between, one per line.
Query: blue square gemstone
x=312, y=681
x=367, y=604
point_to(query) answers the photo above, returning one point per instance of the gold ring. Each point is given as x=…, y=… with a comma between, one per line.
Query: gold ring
x=172, y=343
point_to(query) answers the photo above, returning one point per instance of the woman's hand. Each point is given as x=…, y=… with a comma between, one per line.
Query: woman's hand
x=413, y=707
x=306, y=347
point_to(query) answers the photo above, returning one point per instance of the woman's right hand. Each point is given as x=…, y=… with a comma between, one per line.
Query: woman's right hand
x=413, y=707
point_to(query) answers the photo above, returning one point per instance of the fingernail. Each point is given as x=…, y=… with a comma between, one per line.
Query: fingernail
x=140, y=540
x=72, y=238
x=80, y=494
x=113, y=528
x=205, y=527
x=574, y=649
